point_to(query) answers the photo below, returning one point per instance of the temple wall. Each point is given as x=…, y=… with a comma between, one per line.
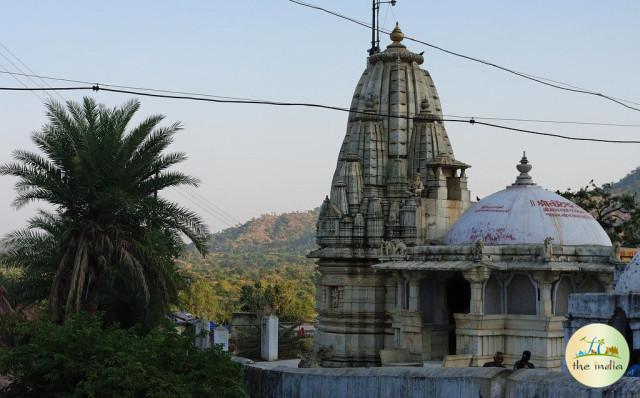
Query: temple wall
x=285, y=382
x=483, y=335
x=352, y=322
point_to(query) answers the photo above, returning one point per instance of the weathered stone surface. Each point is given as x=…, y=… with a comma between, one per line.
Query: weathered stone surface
x=285, y=382
x=374, y=382
x=544, y=384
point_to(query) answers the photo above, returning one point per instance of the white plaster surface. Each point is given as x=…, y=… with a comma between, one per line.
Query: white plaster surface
x=527, y=214
x=269, y=338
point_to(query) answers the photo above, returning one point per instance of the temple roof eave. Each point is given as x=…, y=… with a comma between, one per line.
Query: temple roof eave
x=463, y=265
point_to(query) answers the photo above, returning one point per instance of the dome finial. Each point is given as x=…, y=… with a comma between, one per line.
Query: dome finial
x=396, y=35
x=524, y=167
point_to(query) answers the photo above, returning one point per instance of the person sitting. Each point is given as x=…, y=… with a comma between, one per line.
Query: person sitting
x=498, y=358
x=524, y=363
x=634, y=364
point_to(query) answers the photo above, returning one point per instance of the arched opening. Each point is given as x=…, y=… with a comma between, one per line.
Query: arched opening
x=563, y=288
x=521, y=295
x=493, y=296
x=458, y=294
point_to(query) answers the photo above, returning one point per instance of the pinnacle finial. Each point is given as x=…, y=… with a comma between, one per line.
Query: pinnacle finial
x=396, y=35
x=524, y=167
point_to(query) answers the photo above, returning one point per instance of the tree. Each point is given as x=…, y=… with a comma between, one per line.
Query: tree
x=85, y=358
x=618, y=213
x=200, y=300
x=111, y=239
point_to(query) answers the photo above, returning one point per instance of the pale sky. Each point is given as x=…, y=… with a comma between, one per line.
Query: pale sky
x=255, y=159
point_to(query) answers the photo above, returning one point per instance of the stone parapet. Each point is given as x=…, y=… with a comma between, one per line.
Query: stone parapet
x=283, y=382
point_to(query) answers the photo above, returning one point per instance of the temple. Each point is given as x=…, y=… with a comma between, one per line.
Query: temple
x=406, y=260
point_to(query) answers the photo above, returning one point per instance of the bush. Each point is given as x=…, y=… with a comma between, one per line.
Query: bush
x=83, y=358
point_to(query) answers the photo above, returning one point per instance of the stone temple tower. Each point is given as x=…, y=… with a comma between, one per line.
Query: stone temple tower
x=396, y=185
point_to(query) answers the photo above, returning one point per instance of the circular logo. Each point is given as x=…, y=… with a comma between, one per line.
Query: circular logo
x=597, y=355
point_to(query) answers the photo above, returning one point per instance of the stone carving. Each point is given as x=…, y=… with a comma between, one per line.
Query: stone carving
x=547, y=252
x=394, y=247
x=478, y=250
x=417, y=186
x=615, y=253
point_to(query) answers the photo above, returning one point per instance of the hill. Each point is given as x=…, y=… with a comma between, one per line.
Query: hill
x=629, y=183
x=265, y=255
x=292, y=232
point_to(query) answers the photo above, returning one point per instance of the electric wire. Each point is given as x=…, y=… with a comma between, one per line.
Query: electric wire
x=212, y=206
x=320, y=106
x=12, y=54
x=544, y=81
x=203, y=208
x=4, y=69
x=253, y=99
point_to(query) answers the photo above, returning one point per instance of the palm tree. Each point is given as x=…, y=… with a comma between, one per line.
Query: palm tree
x=103, y=180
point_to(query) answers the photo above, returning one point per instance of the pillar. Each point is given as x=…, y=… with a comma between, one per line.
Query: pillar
x=269, y=338
x=545, y=280
x=476, y=278
x=202, y=334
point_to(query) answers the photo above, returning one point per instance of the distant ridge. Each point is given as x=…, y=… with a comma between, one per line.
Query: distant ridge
x=629, y=183
x=293, y=232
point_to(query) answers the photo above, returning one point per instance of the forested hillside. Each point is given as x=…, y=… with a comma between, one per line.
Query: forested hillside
x=630, y=183
x=264, y=255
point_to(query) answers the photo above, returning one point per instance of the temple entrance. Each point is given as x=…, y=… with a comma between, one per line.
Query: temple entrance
x=458, y=294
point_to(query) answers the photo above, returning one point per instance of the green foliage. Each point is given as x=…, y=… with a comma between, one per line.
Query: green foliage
x=200, y=300
x=280, y=297
x=270, y=250
x=82, y=358
x=111, y=240
x=617, y=212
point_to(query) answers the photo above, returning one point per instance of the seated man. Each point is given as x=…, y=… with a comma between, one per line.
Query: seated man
x=498, y=358
x=634, y=365
x=524, y=363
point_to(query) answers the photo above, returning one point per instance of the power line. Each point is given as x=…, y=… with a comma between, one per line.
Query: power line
x=229, y=219
x=4, y=69
x=214, y=215
x=253, y=99
x=61, y=79
x=318, y=106
x=11, y=53
x=215, y=206
x=512, y=119
x=544, y=81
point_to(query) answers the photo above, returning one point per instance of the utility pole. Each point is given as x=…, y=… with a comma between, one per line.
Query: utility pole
x=375, y=24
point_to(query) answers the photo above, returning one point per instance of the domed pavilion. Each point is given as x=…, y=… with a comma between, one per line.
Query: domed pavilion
x=407, y=261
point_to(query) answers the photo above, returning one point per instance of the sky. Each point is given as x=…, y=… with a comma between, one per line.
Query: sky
x=254, y=159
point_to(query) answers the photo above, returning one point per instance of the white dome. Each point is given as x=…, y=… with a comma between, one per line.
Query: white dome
x=525, y=213
x=629, y=280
